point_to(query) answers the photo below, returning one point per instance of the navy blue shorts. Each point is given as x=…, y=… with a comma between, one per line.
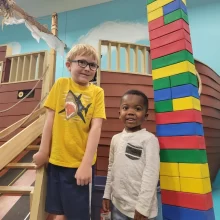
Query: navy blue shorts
x=64, y=196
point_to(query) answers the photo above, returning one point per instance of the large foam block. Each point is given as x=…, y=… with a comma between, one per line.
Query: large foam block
x=184, y=78
x=179, y=117
x=150, y=1
x=187, y=200
x=183, y=156
x=157, y=4
x=164, y=106
x=182, y=129
x=163, y=94
x=195, y=185
x=155, y=14
x=169, y=28
x=171, y=48
x=177, y=57
x=174, y=69
x=162, y=83
x=194, y=170
x=169, y=169
x=184, y=1
x=170, y=38
x=185, y=91
x=173, y=6
x=182, y=142
x=170, y=183
x=176, y=15
x=180, y=213
x=186, y=103
x=159, y=22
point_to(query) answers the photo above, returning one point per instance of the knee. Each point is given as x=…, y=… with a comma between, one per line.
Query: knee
x=59, y=217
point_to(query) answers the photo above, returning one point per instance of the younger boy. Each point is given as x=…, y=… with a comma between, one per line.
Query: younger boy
x=134, y=163
x=75, y=111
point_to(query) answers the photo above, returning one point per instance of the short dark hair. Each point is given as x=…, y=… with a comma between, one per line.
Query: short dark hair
x=138, y=93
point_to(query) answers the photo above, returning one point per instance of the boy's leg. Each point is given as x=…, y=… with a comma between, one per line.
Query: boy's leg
x=53, y=197
x=117, y=215
x=75, y=199
x=59, y=217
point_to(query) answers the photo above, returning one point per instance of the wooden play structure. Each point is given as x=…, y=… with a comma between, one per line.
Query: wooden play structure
x=33, y=74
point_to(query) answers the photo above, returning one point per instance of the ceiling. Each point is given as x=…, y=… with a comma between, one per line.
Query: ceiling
x=39, y=8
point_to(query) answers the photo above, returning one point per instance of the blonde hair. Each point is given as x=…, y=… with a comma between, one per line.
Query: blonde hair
x=82, y=50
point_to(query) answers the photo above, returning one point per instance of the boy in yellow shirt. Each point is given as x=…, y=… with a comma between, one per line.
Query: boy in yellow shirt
x=75, y=111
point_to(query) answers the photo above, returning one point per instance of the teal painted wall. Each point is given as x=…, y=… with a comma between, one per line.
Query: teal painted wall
x=117, y=20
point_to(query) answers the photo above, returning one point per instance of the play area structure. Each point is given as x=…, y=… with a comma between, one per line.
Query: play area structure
x=184, y=113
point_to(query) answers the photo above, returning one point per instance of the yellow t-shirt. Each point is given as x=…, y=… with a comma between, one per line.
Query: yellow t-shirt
x=75, y=106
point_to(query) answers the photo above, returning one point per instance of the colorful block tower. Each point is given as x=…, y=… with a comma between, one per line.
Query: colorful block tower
x=184, y=176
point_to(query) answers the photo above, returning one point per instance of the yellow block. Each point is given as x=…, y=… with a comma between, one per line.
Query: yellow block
x=157, y=4
x=155, y=14
x=191, y=185
x=174, y=69
x=184, y=1
x=194, y=170
x=170, y=183
x=186, y=103
x=169, y=169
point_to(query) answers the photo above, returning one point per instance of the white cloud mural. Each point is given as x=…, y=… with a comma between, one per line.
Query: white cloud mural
x=116, y=31
x=16, y=47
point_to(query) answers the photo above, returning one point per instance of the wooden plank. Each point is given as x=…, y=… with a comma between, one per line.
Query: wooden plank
x=33, y=147
x=17, y=144
x=21, y=165
x=16, y=189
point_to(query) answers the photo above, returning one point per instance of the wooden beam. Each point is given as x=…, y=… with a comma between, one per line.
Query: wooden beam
x=33, y=147
x=13, y=147
x=16, y=189
x=21, y=165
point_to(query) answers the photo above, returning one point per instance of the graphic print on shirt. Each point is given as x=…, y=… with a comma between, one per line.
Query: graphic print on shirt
x=74, y=106
x=133, y=152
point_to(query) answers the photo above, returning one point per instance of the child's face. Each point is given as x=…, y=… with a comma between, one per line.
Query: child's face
x=81, y=72
x=132, y=112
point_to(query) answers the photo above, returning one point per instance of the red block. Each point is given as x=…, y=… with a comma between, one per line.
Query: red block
x=191, y=115
x=171, y=48
x=170, y=38
x=187, y=200
x=182, y=142
x=169, y=28
x=152, y=25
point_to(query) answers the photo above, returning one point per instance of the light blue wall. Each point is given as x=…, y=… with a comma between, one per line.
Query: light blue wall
x=204, y=25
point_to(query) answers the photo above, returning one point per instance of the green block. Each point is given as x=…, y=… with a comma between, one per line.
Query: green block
x=180, y=56
x=162, y=83
x=183, y=78
x=150, y=1
x=175, y=15
x=183, y=156
x=164, y=106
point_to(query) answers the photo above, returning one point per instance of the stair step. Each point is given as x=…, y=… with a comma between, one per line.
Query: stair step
x=21, y=165
x=33, y=147
x=16, y=189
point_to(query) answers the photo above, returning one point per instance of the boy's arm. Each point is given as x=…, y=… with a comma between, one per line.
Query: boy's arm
x=150, y=177
x=41, y=157
x=84, y=172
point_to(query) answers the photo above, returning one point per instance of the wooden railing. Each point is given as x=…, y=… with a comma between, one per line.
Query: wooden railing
x=26, y=67
x=129, y=58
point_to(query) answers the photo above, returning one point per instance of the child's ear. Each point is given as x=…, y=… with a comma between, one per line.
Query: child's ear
x=68, y=65
x=146, y=116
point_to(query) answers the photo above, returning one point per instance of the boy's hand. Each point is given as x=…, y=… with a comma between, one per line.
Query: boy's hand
x=139, y=216
x=106, y=205
x=83, y=175
x=40, y=159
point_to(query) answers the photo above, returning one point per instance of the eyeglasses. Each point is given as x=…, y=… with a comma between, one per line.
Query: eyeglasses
x=84, y=64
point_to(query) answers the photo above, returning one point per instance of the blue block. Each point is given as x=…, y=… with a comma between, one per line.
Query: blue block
x=181, y=129
x=180, y=213
x=185, y=91
x=173, y=6
x=162, y=94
